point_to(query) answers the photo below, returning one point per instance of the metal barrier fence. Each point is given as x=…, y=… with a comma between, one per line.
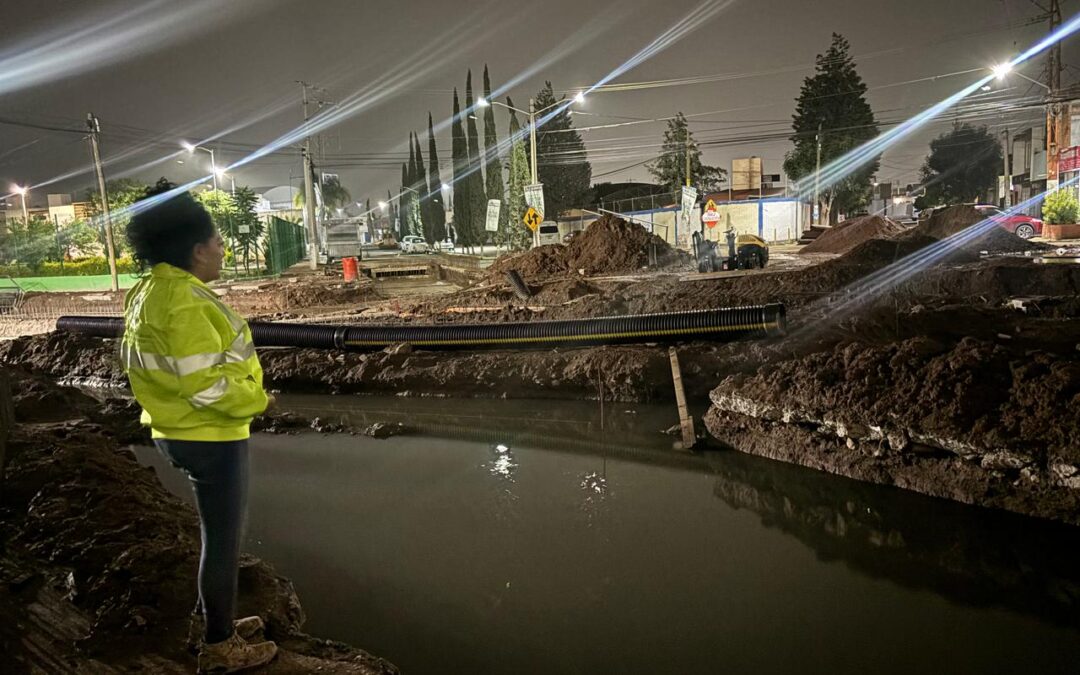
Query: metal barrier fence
x=285, y=244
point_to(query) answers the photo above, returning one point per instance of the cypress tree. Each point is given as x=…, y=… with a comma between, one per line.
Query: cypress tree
x=404, y=227
x=460, y=156
x=438, y=209
x=477, y=194
x=420, y=178
x=494, y=175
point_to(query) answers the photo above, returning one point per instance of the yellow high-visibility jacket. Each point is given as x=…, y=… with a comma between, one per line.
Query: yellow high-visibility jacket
x=190, y=359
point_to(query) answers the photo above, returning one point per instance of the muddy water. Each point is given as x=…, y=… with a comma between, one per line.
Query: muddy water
x=517, y=537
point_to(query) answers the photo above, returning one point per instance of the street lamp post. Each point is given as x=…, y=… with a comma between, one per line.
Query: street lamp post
x=232, y=181
x=21, y=191
x=213, y=164
x=531, y=113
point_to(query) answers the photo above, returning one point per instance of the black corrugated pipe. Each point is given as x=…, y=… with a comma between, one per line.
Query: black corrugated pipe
x=706, y=324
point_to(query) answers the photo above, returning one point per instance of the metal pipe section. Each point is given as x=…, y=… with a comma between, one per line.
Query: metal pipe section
x=721, y=325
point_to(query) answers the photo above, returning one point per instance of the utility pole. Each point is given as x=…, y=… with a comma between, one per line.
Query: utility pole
x=1006, y=173
x=532, y=146
x=817, y=178
x=687, y=132
x=95, y=128
x=309, y=192
x=1054, y=112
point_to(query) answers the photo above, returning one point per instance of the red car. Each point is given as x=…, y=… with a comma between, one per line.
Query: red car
x=1022, y=226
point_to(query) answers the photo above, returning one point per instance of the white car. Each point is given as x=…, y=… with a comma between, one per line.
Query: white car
x=414, y=244
x=549, y=233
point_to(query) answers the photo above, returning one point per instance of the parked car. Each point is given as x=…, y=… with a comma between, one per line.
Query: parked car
x=414, y=244
x=549, y=233
x=569, y=236
x=1022, y=226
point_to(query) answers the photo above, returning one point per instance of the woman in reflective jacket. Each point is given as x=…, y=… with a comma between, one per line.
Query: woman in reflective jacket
x=193, y=369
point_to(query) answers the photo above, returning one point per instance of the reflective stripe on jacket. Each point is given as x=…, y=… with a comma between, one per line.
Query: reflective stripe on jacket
x=190, y=359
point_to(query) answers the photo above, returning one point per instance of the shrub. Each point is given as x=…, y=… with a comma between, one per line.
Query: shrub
x=1061, y=208
x=83, y=267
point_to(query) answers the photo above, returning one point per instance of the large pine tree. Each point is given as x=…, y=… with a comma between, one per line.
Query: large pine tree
x=477, y=193
x=669, y=169
x=834, y=101
x=562, y=163
x=963, y=165
x=459, y=153
x=493, y=176
x=438, y=208
x=519, y=236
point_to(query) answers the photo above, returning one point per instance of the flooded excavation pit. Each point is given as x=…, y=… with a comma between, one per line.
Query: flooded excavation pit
x=542, y=537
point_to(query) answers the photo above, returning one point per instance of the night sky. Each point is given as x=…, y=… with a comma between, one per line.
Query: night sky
x=738, y=72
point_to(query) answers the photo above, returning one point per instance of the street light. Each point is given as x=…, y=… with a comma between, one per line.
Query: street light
x=21, y=191
x=220, y=173
x=213, y=164
x=531, y=113
x=1003, y=69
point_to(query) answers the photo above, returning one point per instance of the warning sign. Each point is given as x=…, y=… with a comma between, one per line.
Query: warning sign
x=532, y=218
x=710, y=216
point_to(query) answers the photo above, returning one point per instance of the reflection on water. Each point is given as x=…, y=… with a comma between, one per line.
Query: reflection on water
x=528, y=537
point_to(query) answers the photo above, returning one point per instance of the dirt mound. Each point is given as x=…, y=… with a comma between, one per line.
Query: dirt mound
x=610, y=245
x=613, y=245
x=847, y=235
x=881, y=252
x=544, y=261
x=92, y=542
x=988, y=236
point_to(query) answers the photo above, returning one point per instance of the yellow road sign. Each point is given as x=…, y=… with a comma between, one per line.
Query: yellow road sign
x=532, y=218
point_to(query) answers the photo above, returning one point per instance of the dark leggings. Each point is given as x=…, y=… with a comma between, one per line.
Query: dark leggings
x=219, y=474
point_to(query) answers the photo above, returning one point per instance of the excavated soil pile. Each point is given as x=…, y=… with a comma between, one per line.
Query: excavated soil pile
x=610, y=245
x=970, y=422
x=845, y=236
x=98, y=561
x=537, y=263
x=989, y=236
x=308, y=292
x=613, y=245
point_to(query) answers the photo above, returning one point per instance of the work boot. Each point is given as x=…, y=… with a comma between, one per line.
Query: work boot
x=247, y=628
x=232, y=655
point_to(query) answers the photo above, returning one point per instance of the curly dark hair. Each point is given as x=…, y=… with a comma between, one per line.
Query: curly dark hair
x=168, y=232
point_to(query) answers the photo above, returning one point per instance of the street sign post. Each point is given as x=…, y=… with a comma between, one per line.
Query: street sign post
x=689, y=198
x=492, y=222
x=534, y=197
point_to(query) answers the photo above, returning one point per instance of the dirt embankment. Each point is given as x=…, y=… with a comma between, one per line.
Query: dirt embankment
x=969, y=421
x=843, y=237
x=610, y=245
x=98, y=561
x=973, y=231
